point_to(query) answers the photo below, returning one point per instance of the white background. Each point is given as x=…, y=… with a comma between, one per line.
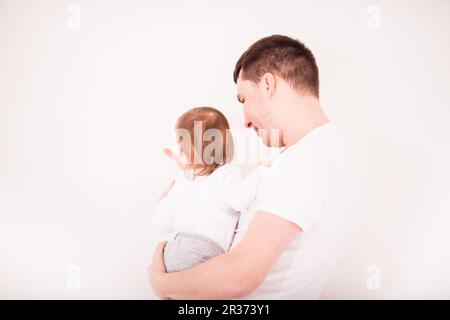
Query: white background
x=90, y=91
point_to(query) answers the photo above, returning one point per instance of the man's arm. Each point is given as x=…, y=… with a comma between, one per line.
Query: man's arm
x=230, y=275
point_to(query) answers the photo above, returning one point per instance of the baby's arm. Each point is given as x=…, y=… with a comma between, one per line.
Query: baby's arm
x=164, y=194
x=238, y=189
x=165, y=209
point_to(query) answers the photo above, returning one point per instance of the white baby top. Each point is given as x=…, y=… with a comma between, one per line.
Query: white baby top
x=208, y=205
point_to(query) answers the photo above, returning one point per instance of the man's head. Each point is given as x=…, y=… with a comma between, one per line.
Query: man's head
x=267, y=74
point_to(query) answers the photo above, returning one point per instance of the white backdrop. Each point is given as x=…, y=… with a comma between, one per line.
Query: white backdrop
x=90, y=91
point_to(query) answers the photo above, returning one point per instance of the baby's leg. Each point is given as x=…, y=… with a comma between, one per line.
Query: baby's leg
x=187, y=250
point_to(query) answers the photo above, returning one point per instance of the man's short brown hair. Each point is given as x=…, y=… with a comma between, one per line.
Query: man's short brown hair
x=283, y=56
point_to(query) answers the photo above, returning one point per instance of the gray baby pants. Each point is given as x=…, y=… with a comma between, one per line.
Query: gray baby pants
x=187, y=250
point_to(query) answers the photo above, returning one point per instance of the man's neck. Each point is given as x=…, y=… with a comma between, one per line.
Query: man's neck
x=307, y=115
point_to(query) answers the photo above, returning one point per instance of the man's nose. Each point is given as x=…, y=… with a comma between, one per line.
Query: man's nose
x=248, y=124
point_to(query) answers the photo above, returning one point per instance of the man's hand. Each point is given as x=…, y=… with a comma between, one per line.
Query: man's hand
x=234, y=274
x=157, y=270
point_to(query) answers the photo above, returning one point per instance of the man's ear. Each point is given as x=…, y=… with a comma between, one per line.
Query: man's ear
x=268, y=84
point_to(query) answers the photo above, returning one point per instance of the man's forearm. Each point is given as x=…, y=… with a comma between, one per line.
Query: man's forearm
x=216, y=278
x=233, y=274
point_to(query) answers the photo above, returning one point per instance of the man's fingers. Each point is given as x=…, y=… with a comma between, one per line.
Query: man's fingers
x=158, y=257
x=160, y=247
x=159, y=251
x=157, y=269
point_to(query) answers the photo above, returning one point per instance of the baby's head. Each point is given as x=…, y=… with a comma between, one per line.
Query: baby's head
x=204, y=139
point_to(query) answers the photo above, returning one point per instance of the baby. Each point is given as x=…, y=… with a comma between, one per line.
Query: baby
x=206, y=199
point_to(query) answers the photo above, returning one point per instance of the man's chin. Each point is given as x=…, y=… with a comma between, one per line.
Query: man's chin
x=271, y=144
x=270, y=137
x=266, y=142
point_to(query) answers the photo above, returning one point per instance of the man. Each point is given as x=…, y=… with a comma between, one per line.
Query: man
x=287, y=242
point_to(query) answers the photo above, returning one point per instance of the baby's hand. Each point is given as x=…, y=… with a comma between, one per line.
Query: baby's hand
x=179, y=161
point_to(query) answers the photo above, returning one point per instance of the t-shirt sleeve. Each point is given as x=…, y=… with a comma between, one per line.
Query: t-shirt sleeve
x=295, y=188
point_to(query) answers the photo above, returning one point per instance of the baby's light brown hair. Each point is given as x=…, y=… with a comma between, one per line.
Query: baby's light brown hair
x=204, y=137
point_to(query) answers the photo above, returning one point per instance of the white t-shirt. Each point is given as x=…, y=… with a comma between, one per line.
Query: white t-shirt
x=312, y=184
x=207, y=205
